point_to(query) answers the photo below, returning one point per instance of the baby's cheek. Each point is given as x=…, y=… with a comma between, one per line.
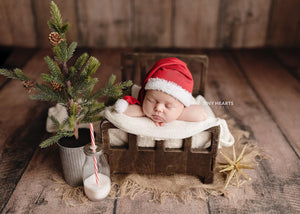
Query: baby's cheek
x=177, y=113
x=145, y=108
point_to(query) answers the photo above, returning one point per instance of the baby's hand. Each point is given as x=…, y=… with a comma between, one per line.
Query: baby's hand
x=159, y=123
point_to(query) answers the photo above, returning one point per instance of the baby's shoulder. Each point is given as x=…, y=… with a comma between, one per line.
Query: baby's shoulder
x=193, y=113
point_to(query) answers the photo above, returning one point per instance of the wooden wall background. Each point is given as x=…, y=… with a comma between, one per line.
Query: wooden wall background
x=156, y=23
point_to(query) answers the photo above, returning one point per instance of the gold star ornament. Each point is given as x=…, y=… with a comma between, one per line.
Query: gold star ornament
x=234, y=167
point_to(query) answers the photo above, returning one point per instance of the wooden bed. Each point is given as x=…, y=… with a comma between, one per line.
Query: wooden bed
x=161, y=160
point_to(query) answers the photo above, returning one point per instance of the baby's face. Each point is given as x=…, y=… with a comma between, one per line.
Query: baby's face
x=161, y=107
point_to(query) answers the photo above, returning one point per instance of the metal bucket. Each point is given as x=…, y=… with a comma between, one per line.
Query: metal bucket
x=72, y=157
x=72, y=160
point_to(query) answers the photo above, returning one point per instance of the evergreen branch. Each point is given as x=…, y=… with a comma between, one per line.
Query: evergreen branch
x=45, y=97
x=50, y=141
x=84, y=83
x=60, y=52
x=94, y=107
x=72, y=74
x=48, y=94
x=92, y=110
x=75, y=71
x=85, y=86
x=96, y=111
x=81, y=61
x=15, y=74
x=116, y=90
x=94, y=65
x=65, y=27
x=20, y=75
x=8, y=73
x=71, y=91
x=55, y=138
x=73, y=109
x=46, y=77
x=90, y=68
x=72, y=121
x=55, y=23
x=101, y=92
x=55, y=122
x=89, y=87
x=54, y=70
x=53, y=27
x=71, y=50
x=111, y=81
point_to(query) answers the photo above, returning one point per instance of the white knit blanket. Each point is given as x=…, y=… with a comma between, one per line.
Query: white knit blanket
x=144, y=127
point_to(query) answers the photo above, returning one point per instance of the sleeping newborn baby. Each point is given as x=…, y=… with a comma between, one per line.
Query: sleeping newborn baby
x=165, y=96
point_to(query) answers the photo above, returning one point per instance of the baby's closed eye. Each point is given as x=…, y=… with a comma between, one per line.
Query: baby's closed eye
x=170, y=106
x=151, y=100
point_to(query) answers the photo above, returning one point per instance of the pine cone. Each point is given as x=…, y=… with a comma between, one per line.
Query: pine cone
x=56, y=86
x=28, y=85
x=55, y=38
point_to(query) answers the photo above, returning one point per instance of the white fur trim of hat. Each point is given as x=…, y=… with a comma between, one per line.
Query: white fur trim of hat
x=170, y=88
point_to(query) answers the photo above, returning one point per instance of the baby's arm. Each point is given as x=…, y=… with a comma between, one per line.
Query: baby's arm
x=134, y=111
x=137, y=111
x=193, y=113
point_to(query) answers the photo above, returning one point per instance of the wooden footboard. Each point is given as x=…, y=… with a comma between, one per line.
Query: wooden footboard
x=161, y=160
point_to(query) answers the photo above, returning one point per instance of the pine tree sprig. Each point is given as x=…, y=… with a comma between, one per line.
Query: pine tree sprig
x=15, y=74
x=8, y=73
x=90, y=68
x=89, y=87
x=46, y=93
x=55, y=138
x=55, y=71
x=114, y=91
x=71, y=50
x=71, y=121
x=65, y=27
x=46, y=77
x=60, y=51
x=81, y=61
x=111, y=81
x=55, y=122
x=72, y=86
x=101, y=92
x=55, y=23
x=20, y=75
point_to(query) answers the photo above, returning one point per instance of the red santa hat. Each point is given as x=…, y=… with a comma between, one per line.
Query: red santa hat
x=169, y=75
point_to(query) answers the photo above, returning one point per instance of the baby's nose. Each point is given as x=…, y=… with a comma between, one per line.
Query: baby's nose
x=159, y=107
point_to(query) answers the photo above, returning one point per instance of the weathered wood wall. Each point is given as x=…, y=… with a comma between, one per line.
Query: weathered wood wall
x=156, y=23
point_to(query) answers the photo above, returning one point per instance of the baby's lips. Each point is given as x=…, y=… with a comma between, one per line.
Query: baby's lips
x=157, y=118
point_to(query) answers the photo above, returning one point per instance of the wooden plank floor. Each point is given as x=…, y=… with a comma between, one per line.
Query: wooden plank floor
x=263, y=85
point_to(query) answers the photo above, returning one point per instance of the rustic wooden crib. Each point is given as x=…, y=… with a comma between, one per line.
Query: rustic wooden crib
x=158, y=159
